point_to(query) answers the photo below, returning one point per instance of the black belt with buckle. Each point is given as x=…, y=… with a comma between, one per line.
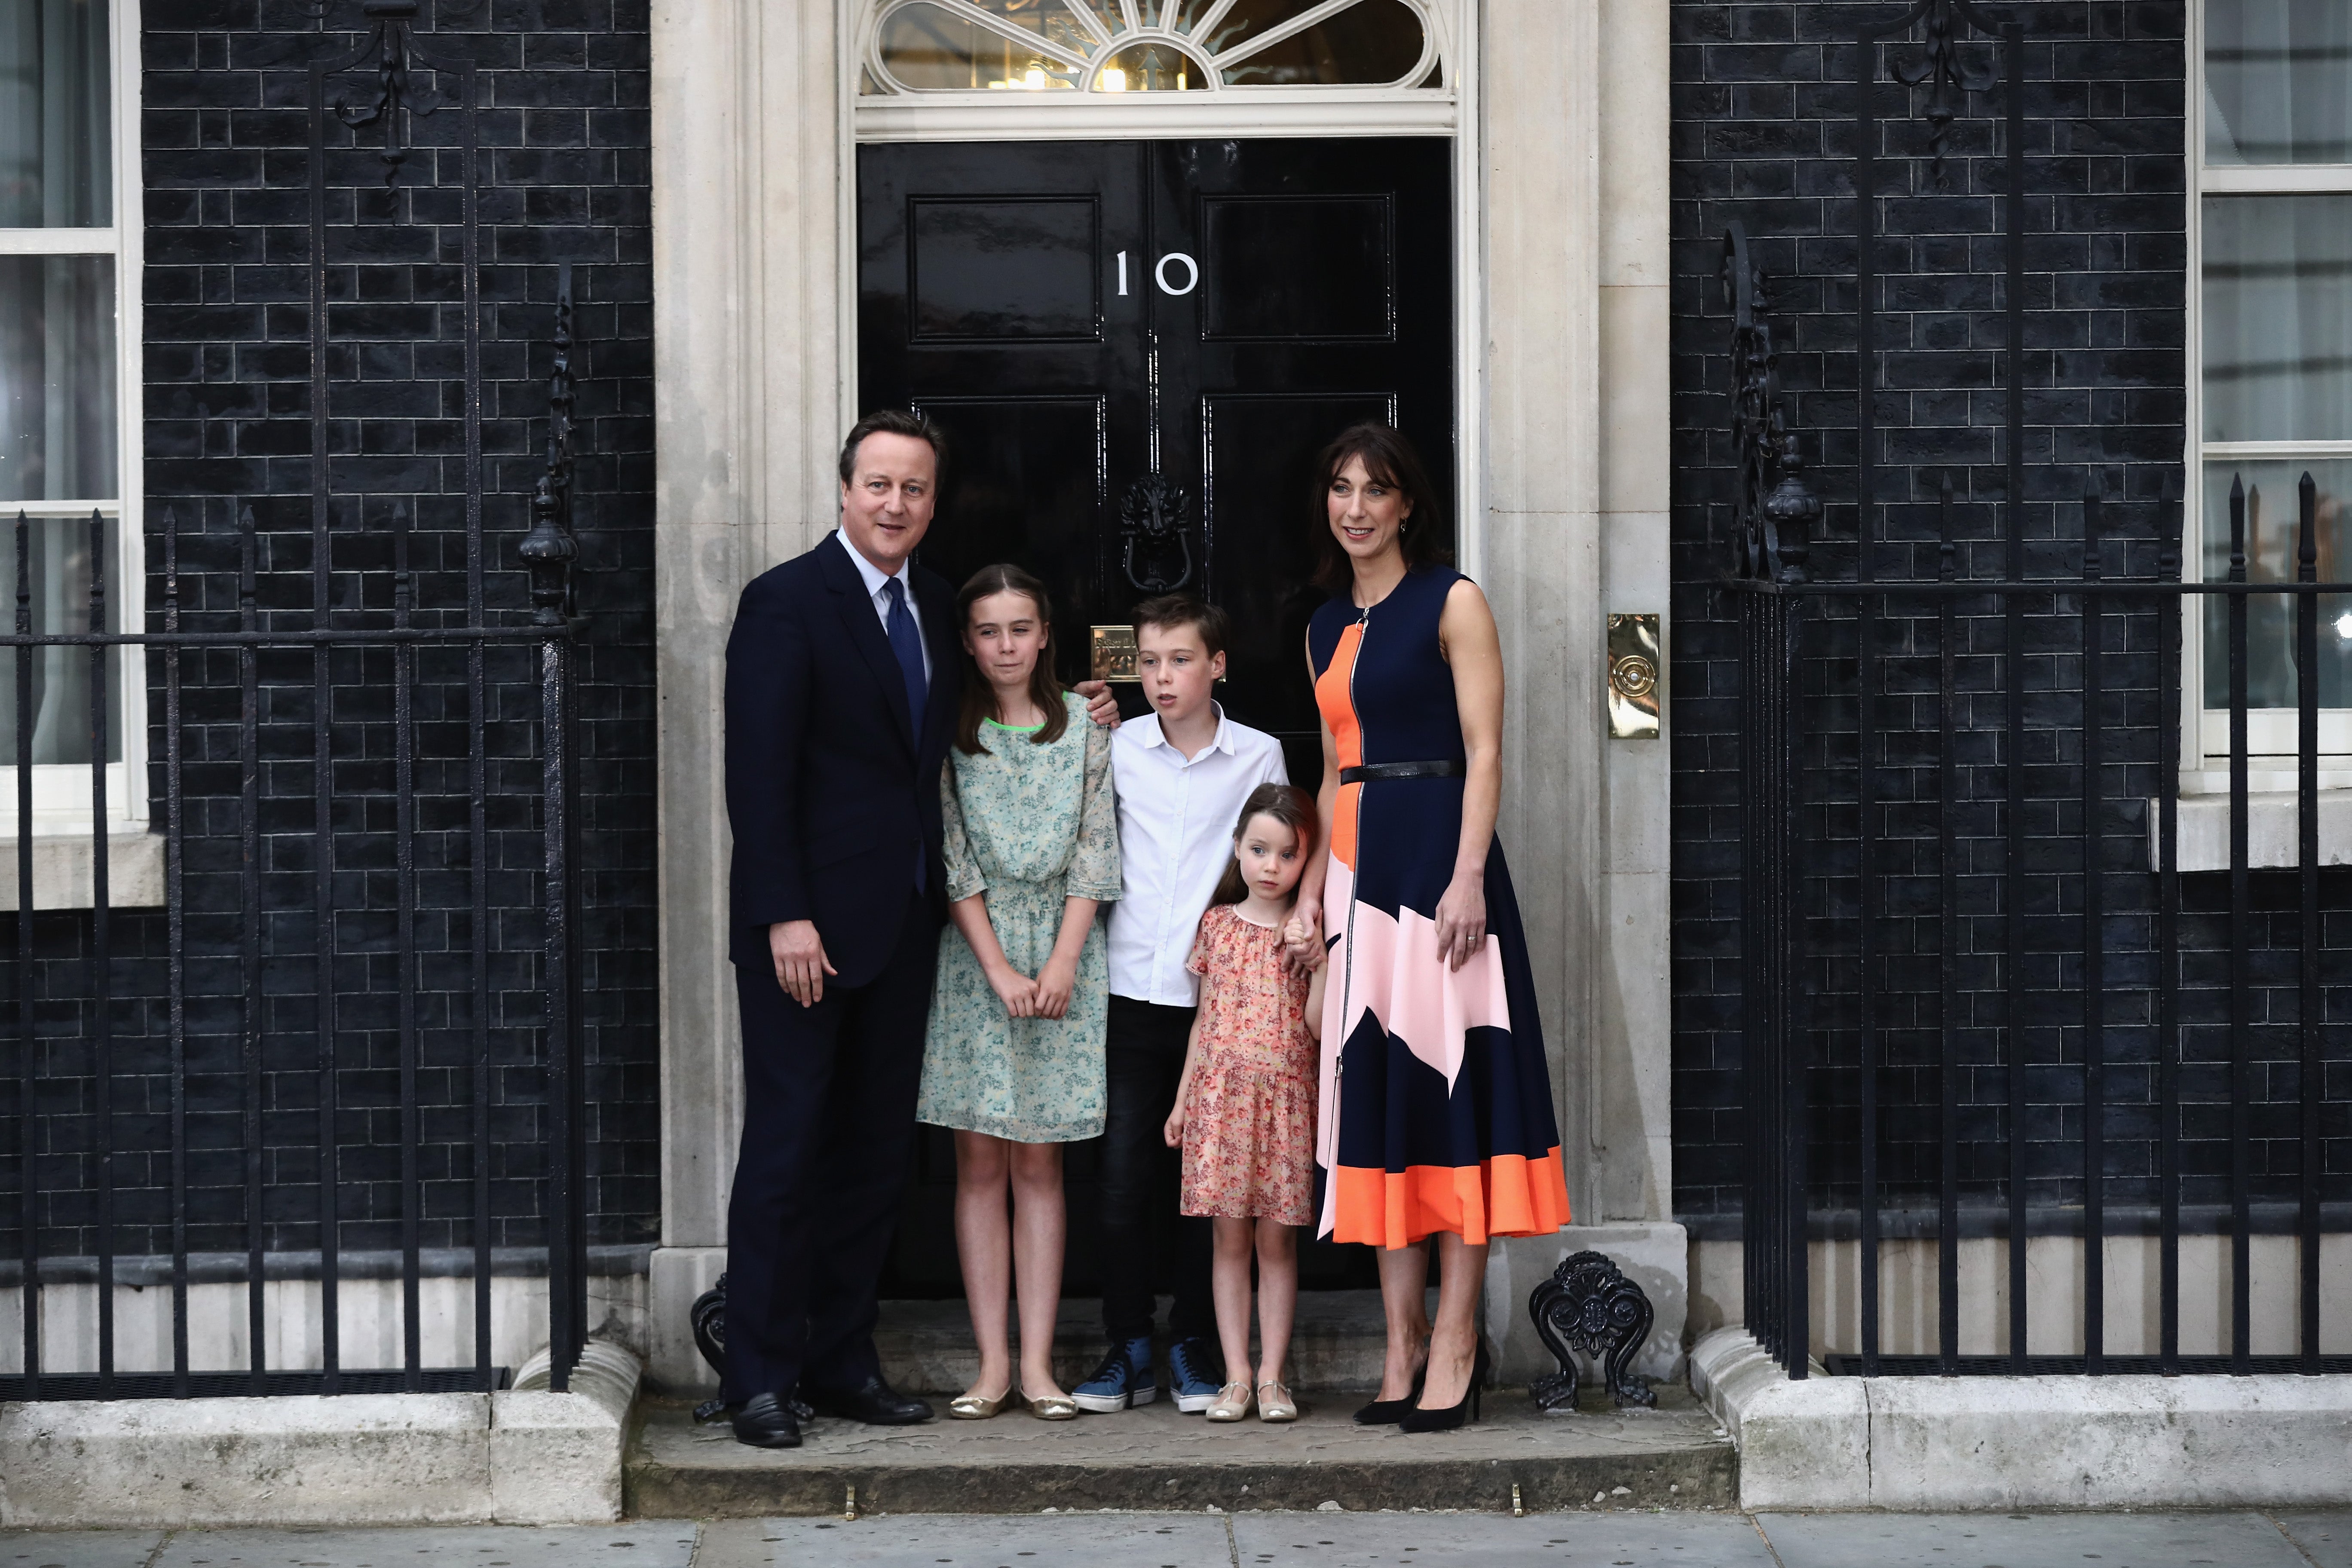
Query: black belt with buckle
x=1369, y=771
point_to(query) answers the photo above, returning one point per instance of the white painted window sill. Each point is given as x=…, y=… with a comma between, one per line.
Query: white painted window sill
x=2273, y=836
x=64, y=863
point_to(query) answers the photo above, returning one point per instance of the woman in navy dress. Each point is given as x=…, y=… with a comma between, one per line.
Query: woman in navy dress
x=1435, y=1113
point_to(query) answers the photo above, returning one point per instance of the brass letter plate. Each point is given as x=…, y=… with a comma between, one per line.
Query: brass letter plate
x=1114, y=653
x=1634, y=676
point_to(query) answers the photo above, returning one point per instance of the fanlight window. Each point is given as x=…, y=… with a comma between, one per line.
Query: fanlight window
x=1149, y=45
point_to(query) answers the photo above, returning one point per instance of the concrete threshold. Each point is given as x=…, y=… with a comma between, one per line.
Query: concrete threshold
x=1930, y=1444
x=1154, y=1457
x=522, y=1456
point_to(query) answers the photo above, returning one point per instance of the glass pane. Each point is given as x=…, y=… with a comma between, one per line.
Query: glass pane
x=56, y=139
x=2278, y=317
x=1150, y=67
x=1369, y=43
x=58, y=556
x=2278, y=81
x=932, y=49
x=57, y=378
x=2273, y=527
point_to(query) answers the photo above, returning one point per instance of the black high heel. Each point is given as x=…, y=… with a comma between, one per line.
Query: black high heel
x=1389, y=1412
x=1467, y=1408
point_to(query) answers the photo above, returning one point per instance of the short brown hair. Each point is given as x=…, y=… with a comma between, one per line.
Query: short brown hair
x=1173, y=610
x=979, y=696
x=1390, y=457
x=1286, y=803
x=894, y=422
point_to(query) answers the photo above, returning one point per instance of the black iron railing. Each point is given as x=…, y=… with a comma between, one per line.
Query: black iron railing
x=390, y=895
x=1981, y=993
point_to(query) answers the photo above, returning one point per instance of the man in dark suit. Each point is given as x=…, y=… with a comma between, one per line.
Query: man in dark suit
x=843, y=683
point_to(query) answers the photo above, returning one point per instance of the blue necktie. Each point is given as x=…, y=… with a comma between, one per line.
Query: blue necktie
x=907, y=644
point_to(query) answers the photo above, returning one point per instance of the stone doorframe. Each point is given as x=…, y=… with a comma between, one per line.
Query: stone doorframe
x=1567, y=408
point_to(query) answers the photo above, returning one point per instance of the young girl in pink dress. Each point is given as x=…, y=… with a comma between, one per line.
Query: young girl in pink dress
x=1245, y=1104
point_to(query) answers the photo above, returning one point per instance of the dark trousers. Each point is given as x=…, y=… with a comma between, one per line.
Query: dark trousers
x=828, y=1128
x=1144, y=1058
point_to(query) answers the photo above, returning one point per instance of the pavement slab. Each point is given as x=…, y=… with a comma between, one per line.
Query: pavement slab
x=2029, y=1540
x=1154, y=1457
x=638, y=1543
x=1670, y=1540
x=78, y=1548
x=2325, y=1537
x=1068, y=1541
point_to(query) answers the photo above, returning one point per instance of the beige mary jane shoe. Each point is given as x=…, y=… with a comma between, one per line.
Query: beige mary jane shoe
x=1233, y=1403
x=1275, y=1404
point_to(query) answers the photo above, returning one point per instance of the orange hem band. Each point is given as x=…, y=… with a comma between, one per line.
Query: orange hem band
x=1509, y=1195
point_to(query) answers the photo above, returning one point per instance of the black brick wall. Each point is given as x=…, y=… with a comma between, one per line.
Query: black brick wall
x=563, y=176
x=1763, y=133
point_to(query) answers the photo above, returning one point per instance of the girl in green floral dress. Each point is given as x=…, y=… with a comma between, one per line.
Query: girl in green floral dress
x=1013, y=1059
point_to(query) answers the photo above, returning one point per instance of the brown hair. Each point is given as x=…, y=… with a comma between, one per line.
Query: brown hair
x=894, y=422
x=1389, y=458
x=979, y=696
x=1173, y=610
x=1286, y=803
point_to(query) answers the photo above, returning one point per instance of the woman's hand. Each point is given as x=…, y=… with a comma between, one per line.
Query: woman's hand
x=1174, y=1131
x=1054, y=984
x=1302, y=936
x=1015, y=990
x=1462, y=918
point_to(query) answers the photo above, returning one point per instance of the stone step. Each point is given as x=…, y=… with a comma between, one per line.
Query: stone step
x=926, y=1347
x=1153, y=1457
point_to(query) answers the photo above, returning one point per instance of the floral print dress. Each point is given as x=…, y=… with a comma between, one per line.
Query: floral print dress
x=1030, y=826
x=1249, y=1129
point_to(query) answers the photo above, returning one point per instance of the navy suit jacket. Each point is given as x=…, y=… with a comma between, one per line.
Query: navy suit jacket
x=831, y=794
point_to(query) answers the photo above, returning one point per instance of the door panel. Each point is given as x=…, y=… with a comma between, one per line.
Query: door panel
x=1078, y=315
x=1298, y=267
x=1005, y=268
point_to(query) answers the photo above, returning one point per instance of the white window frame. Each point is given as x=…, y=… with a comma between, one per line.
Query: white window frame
x=2271, y=732
x=61, y=803
x=904, y=114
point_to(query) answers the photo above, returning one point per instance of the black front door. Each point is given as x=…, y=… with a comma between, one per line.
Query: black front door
x=1098, y=324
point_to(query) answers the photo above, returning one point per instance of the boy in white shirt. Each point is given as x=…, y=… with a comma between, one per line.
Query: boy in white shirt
x=1183, y=773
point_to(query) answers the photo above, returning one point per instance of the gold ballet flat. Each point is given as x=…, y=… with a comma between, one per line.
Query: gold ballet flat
x=1052, y=1407
x=974, y=1407
x=1233, y=1403
x=1275, y=1404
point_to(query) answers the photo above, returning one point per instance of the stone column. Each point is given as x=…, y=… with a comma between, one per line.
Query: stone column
x=747, y=105
x=1576, y=412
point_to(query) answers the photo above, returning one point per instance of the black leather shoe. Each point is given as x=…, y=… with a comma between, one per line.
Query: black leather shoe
x=765, y=1422
x=871, y=1402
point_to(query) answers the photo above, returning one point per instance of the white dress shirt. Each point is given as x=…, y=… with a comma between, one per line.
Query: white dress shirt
x=874, y=577
x=1175, y=839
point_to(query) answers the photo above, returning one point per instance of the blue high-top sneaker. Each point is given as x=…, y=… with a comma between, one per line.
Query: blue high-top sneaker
x=1192, y=1376
x=1126, y=1377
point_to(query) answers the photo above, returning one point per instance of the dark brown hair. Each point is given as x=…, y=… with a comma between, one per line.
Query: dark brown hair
x=1390, y=460
x=1173, y=610
x=979, y=696
x=1286, y=803
x=894, y=422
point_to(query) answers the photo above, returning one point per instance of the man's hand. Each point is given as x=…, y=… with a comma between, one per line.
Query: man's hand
x=801, y=963
x=1101, y=706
